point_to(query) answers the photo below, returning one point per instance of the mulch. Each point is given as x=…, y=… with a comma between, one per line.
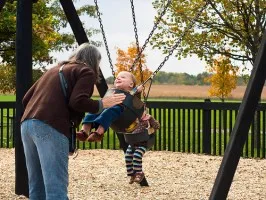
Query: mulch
x=101, y=174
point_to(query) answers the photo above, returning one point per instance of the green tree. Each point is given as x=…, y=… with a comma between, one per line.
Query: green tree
x=110, y=80
x=201, y=77
x=161, y=78
x=226, y=27
x=7, y=79
x=223, y=79
x=49, y=35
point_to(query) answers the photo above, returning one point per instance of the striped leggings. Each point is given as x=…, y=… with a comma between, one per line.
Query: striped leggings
x=133, y=159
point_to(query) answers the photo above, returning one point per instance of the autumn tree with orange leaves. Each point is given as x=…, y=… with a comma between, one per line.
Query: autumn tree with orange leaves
x=125, y=60
x=223, y=79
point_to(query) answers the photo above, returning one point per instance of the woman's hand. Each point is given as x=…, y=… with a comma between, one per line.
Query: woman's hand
x=112, y=100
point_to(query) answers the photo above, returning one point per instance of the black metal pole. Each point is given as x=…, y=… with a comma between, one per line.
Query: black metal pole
x=2, y=3
x=80, y=35
x=240, y=132
x=23, y=83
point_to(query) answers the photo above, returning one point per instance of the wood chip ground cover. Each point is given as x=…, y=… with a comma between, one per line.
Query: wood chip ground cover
x=101, y=174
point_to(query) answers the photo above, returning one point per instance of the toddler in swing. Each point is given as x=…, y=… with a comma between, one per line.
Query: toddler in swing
x=125, y=81
x=135, y=152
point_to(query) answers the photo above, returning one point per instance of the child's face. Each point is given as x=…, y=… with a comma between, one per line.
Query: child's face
x=124, y=81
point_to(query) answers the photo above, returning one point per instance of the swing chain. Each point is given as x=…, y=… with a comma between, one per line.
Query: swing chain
x=137, y=40
x=149, y=37
x=104, y=38
x=134, y=23
x=151, y=33
x=180, y=39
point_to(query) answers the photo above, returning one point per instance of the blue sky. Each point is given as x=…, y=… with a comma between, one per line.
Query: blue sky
x=118, y=26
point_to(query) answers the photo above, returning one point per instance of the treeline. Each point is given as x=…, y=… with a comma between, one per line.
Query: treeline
x=172, y=78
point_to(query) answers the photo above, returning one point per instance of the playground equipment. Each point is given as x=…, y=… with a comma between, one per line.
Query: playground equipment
x=133, y=107
x=24, y=76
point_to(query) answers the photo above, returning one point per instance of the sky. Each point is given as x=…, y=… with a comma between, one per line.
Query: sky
x=119, y=30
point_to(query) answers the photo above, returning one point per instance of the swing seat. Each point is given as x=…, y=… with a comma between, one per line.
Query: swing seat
x=133, y=109
x=134, y=138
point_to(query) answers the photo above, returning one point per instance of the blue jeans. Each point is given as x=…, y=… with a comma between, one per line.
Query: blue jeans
x=105, y=119
x=46, y=152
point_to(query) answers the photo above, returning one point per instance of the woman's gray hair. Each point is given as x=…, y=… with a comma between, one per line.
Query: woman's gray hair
x=89, y=54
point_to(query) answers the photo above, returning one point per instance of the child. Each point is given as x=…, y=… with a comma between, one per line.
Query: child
x=101, y=122
x=135, y=152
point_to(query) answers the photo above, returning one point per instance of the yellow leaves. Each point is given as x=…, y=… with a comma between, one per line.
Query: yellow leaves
x=125, y=60
x=43, y=28
x=12, y=18
x=223, y=79
x=44, y=35
x=179, y=10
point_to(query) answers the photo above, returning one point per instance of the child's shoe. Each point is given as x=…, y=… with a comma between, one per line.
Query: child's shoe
x=82, y=136
x=95, y=137
x=131, y=180
x=139, y=177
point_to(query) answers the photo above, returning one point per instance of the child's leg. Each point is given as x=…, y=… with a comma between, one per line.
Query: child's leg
x=86, y=128
x=137, y=163
x=137, y=158
x=104, y=121
x=100, y=130
x=129, y=161
x=107, y=117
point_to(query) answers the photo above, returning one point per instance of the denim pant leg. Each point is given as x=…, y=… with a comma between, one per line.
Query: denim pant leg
x=52, y=148
x=35, y=178
x=108, y=116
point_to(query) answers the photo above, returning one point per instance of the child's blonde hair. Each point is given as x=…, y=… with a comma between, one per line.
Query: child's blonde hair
x=133, y=79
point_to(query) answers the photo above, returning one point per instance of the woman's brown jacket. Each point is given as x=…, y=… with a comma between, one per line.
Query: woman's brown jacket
x=45, y=100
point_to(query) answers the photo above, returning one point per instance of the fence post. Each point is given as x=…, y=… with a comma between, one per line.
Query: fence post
x=207, y=128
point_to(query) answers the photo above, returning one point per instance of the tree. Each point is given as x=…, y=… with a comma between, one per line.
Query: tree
x=7, y=79
x=125, y=60
x=201, y=77
x=49, y=35
x=109, y=80
x=228, y=27
x=223, y=79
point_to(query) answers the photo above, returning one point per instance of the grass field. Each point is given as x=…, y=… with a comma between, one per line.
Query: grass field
x=190, y=92
x=164, y=93
x=8, y=97
x=174, y=92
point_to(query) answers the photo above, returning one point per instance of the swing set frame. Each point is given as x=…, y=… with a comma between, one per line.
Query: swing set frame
x=24, y=72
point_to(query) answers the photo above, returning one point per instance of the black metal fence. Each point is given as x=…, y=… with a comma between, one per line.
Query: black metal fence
x=193, y=127
x=7, y=125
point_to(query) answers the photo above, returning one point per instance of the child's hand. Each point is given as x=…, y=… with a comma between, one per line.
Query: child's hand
x=145, y=117
x=140, y=88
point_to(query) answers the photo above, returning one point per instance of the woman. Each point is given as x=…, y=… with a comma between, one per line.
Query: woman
x=45, y=123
